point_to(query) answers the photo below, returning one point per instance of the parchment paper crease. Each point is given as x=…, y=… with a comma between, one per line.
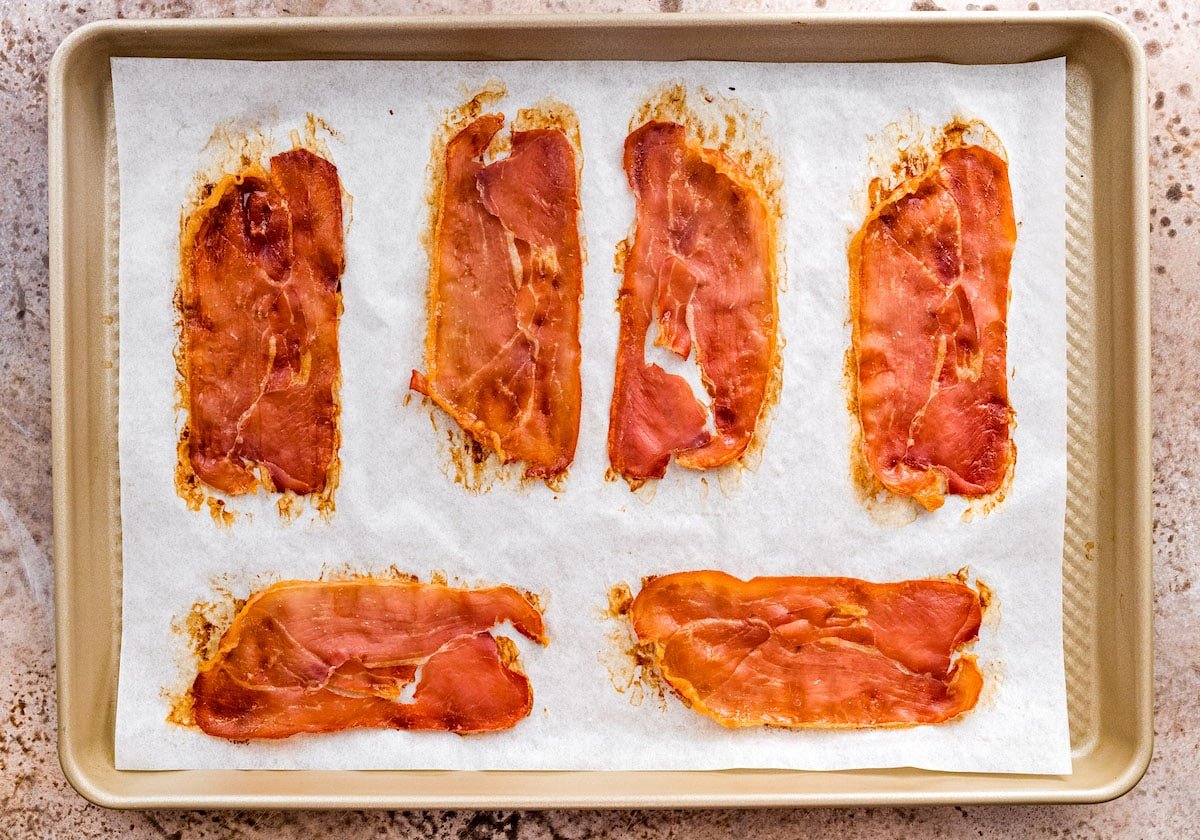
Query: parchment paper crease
x=796, y=515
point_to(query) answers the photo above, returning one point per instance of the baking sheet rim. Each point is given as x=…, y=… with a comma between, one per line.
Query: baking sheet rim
x=74, y=49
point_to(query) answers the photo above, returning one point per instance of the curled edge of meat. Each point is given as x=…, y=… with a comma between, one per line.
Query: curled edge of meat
x=248, y=152
x=917, y=163
x=472, y=458
x=735, y=148
x=964, y=676
x=200, y=629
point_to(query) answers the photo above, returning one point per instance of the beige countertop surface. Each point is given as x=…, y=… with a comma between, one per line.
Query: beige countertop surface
x=37, y=802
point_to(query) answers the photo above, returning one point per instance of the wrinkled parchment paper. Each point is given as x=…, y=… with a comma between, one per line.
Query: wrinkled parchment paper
x=396, y=505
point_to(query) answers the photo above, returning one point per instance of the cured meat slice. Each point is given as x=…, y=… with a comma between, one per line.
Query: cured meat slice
x=260, y=300
x=930, y=292
x=503, y=345
x=812, y=651
x=307, y=656
x=702, y=267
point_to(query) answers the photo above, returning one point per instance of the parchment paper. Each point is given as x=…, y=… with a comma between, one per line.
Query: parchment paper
x=797, y=514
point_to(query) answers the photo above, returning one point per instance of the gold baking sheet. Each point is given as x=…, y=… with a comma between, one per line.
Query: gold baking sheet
x=1107, y=545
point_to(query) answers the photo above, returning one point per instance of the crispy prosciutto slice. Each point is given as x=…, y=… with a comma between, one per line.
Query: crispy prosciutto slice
x=702, y=269
x=930, y=294
x=812, y=651
x=261, y=297
x=305, y=656
x=502, y=351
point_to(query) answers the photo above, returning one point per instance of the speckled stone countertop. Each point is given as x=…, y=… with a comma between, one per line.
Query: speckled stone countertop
x=37, y=802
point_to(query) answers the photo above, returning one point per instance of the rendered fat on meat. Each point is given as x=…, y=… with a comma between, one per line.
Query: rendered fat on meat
x=502, y=351
x=812, y=651
x=260, y=301
x=930, y=289
x=307, y=656
x=702, y=272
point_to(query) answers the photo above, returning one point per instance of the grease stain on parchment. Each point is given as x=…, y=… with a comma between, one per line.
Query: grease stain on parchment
x=993, y=669
x=630, y=663
x=197, y=634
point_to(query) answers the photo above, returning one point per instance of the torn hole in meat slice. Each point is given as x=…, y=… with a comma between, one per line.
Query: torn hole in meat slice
x=411, y=678
x=407, y=690
x=354, y=679
x=686, y=366
x=673, y=306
